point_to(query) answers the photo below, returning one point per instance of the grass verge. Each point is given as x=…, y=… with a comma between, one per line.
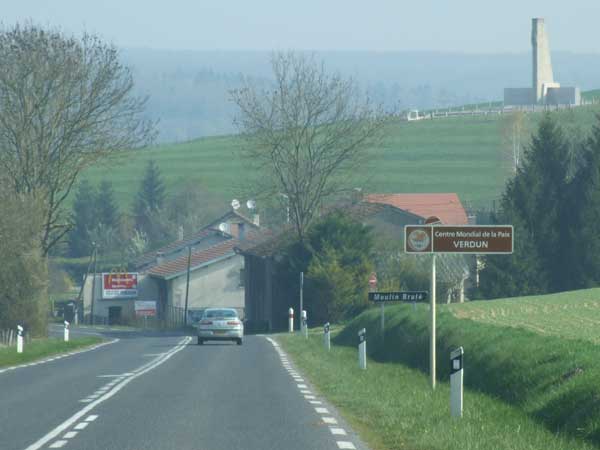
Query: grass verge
x=41, y=348
x=393, y=407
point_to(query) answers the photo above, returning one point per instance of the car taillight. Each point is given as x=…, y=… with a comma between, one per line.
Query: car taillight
x=205, y=322
x=233, y=322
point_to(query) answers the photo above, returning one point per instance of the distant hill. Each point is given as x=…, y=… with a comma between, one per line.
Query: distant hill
x=189, y=89
x=460, y=154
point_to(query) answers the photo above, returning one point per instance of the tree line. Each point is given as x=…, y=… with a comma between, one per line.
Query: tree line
x=553, y=202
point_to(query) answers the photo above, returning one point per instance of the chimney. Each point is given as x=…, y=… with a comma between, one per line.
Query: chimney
x=256, y=220
x=159, y=258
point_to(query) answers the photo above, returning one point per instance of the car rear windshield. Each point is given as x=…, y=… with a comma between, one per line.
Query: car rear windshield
x=220, y=314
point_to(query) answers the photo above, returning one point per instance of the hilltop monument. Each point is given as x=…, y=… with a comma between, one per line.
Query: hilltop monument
x=544, y=91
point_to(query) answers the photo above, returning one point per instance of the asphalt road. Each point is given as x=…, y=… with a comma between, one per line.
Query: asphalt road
x=162, y=391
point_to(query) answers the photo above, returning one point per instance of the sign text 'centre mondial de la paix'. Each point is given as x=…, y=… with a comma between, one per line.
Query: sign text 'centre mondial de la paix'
x=482, y=239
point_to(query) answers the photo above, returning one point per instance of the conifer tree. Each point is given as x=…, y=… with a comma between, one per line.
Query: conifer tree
x=84, y=219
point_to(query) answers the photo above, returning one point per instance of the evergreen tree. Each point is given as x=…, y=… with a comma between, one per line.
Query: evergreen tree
x=149, y=204
x=536, y=203
x=582, y=263
x=84, y=220
x=107, y=207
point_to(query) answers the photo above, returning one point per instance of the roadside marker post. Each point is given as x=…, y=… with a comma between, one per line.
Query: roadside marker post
x=19, y=339
x=304, y=324
x=291, y=320
x=66, y=333
x=456, y=382
x=327, y=337
x=362, y=349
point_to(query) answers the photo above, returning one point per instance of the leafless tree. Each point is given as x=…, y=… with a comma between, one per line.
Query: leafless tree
x=65, y=104
x=308, y=132
x=515, y=131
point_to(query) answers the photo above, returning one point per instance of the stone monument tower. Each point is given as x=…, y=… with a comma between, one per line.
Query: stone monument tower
x=543, y=77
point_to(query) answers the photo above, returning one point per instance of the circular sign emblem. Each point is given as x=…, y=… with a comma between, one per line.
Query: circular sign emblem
x=418, y=240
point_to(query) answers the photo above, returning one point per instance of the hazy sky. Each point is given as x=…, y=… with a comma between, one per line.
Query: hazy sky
x=444, y=25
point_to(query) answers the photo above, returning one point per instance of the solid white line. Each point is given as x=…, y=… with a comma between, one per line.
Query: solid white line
x=58, y=444
x=67, y=423
x=329, y=420
x=47, y=360
x=70, y=434
x=91, y=417
x=337, y=431
x=86, y=400
x=81, y=425
x=322, y=410
x=345, y=445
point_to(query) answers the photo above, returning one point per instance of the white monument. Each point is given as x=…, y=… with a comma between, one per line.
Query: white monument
x=544, y=91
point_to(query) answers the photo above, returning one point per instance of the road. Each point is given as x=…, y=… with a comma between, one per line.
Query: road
x=162, y=391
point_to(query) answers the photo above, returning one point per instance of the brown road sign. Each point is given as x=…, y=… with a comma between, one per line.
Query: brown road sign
x=476, y=239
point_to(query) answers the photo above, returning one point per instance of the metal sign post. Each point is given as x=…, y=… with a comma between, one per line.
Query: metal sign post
x=19, y=339
x=326, y=337
x=432, y=324
x=456, y=382
x=362, y=349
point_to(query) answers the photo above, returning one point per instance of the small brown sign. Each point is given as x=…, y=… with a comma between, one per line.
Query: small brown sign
x=476, y=239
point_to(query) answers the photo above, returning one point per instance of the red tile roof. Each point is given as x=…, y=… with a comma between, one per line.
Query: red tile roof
x=445, y=206
x=169, y=269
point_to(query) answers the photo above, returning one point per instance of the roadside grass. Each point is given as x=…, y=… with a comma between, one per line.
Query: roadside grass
x=392, y=406
x=551, y=378
x=42, y=348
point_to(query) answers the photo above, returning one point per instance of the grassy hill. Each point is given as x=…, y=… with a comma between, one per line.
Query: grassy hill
x=461, y=154
x=538, y=354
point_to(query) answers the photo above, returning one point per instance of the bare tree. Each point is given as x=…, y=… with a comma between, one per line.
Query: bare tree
x=65, y=104
x=305, y=134
x=514, y=134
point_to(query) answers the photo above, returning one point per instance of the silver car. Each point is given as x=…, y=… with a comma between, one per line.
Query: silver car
x=220, y=324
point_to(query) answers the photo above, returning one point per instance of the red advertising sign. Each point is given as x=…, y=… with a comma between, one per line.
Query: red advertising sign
x=119, y=285
x=476, y=239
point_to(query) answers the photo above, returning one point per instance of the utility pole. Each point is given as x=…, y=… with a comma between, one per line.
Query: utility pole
x=187, y=286
x=301, y=300
x=94, y=284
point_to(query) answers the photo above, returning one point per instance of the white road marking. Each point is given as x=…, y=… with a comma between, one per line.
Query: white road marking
x=302, y=386
x=86, y=400
x=81, y=425
x=70, y=434
x=345, y=445
x=91, y=417
x=322, y=410
x=309, y=397
x=329, y=420
x=58, y=444
x=121, y=375
x=145, y=368
x=337, y=431
x=315, y=402
x=305, y=392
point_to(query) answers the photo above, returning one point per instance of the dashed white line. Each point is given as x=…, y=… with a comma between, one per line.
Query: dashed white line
x=81, y=425
x=58, y=444
x=329, y=420
x=309, y=397
x=302, y=386
x=303, y=391
x=70, y=434
x=337, y=431
x=315, y=402
x=91, y=417
x=345, y=445
x=322, y=410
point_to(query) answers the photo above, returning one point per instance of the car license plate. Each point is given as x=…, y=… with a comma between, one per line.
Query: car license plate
x=220, y=332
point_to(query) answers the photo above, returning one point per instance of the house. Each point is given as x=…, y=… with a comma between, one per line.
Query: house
x=268, y=296
x=216, y=274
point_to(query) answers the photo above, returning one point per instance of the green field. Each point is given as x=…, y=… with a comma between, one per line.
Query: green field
x=461, y=154
x=532, y=367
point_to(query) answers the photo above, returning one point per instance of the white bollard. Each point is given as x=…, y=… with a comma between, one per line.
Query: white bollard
x=291, y=320
x=327, y=337
x=66, y=331
x=19, y=339
x=456, y=382
x=305, y=323
x=362, y=349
